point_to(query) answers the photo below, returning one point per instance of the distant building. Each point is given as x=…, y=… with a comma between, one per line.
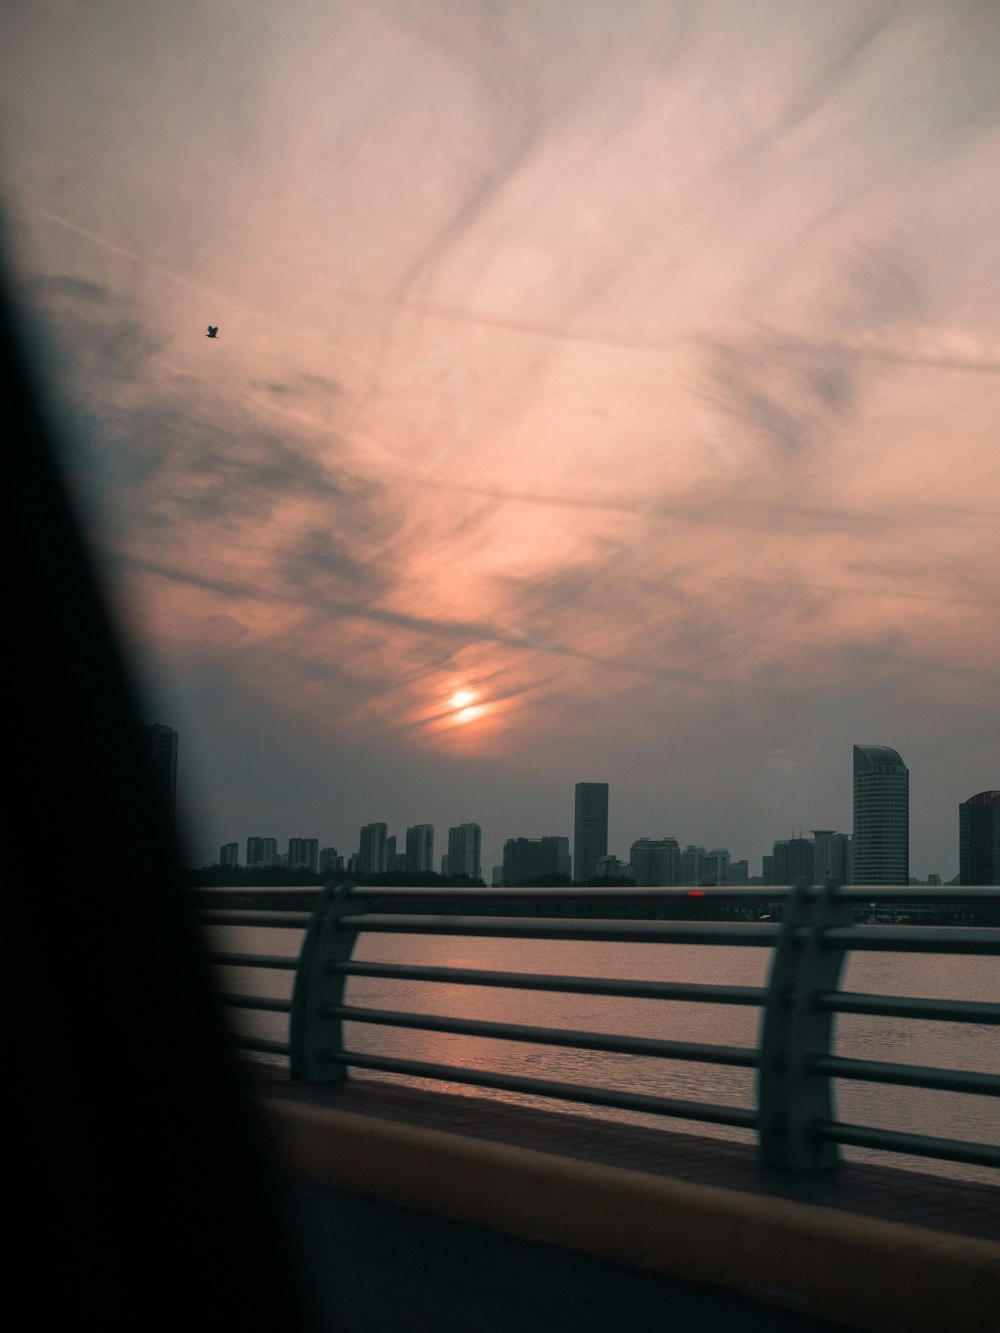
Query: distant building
x=693, y=862
x=794, y=859
x=528, y=860
x=420, y=848
x=229, y=854
x=655, y=861
x=979, y=839
x=392, y=857
x=161, y=746
x=590, y=829
x=609, y=867
x=329, y=861
x=374, y=848
x=464, y=851
x=262, y=851
x=303, y=853
x=881, y=849
x=735, y=873
x=832, y=856
x=716, y=863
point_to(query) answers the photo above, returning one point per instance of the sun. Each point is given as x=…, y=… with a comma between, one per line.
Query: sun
x=463, y=708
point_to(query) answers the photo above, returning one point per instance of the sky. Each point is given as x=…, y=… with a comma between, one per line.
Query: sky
x=605, y=390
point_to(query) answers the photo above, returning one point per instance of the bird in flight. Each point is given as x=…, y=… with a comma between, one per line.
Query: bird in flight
x=213, y=331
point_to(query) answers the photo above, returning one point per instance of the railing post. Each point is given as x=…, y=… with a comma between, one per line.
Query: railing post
x=316, y=986
x=791, y=1098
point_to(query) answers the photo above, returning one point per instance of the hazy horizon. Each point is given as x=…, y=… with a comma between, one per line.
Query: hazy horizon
x=603, y=392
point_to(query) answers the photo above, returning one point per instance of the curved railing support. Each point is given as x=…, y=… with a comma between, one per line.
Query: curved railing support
x=792, y=1097
x=317, y=986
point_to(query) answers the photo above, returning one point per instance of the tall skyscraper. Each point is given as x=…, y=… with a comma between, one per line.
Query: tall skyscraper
x=372, y=857
x=590, y=829
x=161, y=745
x=229, y=854
x=464, y=851
x=881, y=846
x=979, y=839
x=420, y=848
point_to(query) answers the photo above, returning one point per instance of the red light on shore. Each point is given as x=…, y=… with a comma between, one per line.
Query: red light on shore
x=696, y=893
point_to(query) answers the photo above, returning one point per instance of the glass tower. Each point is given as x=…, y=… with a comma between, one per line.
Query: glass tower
x=881, y=846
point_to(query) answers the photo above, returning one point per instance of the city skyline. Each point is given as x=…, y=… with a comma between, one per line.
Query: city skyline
x=880, y=794
x=599, y=389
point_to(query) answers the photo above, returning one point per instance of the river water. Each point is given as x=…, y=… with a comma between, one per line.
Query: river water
x=947, y=1045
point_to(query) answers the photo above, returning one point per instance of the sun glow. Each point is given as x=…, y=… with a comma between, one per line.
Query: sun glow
x=461, y=699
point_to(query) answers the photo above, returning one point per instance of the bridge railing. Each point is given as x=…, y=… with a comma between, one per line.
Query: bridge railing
x=796, y=1066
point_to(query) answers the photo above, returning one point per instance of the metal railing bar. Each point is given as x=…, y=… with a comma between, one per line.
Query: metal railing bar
x=557, y=983
x=908, y=1076
x=906, y=1006
x=743, y=934
x=913, y=939
x=256, y=1002
x=233, y=916
x=445, y=892
x=739, y=1056
x=247, y=1043
x=771, y=892
x=917, y=893
x=708, y=1112
x=287, y=962
x=918, y=1145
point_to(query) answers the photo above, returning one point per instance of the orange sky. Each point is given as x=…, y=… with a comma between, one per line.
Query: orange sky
x=633, y=367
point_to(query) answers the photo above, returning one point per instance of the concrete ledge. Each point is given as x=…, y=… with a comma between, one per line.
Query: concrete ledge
x=841, y=1266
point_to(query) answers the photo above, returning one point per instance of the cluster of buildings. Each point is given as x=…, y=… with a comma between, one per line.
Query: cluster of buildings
x=876, y=852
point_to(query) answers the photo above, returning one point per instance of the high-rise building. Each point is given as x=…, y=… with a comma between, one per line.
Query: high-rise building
x=329, y=860
x=590, y=829
x=979, y=839
x=303, y=853
x=229, y=854
x=793, y=859
x=716, y=863
x=161, y=746
x=420, y=848
x=262, y=851
x=693, y=865
x=831, y=856
x=528, y=860
x=881, y=847
x=373, y=854
x=464, y=849
x=655, y=861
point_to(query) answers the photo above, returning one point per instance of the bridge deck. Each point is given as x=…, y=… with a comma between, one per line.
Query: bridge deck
x=864, y=1246
x=958, y=1207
